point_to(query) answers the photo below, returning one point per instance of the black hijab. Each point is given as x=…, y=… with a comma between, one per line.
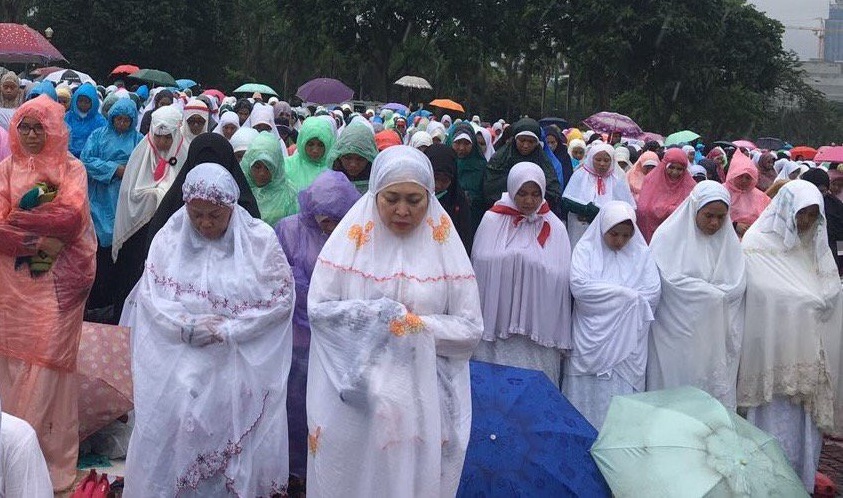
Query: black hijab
x=833, y=209
x=205, y=148
x=455, y=202
x=561, y=153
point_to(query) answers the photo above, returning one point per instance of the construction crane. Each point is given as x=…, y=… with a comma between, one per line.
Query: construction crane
x=819, y=32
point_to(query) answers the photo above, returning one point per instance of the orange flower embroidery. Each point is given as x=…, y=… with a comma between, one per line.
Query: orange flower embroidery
x=411, y=323
x=360, y=235
x=313, y=440
x=442, y=231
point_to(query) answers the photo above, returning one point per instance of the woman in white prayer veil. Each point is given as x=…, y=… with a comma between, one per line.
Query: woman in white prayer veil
x=211, y=350
x=696, y=337
x=522, y=256
x=790, y=363
x=23, y=470
x=395, y=315
x=616, y=287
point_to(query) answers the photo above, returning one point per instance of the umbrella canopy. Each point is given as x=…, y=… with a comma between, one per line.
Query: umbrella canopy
x=395, y=106
x=324, y=91
x=682, y=442
x=413, y=82
x=22, y=44
x=681, y=137
x=255, y=88
x=154, y=77
x=69, y=76
x=124, y=70
x=184, y=84
x=104, y=370
x=612, y=122
x=724, y=144
x=215, y=93
x=447, y=104
x=745, y=144
x=562, y=123
x=44, y=71
x=526, y=438
x=803, y=152
x=829, y=154
x=649, y=136
x=770, y=143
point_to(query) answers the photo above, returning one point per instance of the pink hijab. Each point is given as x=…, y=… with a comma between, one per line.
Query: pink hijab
x=5, y=150
x=635, y=176
x=748, y=204
x=660, y=195
x=713, y=155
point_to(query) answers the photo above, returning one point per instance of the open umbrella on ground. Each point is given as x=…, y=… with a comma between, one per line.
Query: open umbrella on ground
x=612, y=122
x=184, y=84
x=649, y=136
x=324, y=91
x=252, y=88
x=562, y=123
x=413, y=82
x=526, y=439
x=21, y=44
x=154, y=77
x=124, y=70
x=770, y=143
x=69, y=76
x=104, y=370
x=829, y=154
x=447, y=104
x=395, y=106
x=680, y=138
x=684, y=443
x=803, y=152
x=745, y=144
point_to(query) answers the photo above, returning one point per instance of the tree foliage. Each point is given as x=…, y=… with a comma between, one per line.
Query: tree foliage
x=714, y=66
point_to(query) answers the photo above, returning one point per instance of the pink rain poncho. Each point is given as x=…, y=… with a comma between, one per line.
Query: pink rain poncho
x=661, y=195
x=748, y=203
x=42, y=315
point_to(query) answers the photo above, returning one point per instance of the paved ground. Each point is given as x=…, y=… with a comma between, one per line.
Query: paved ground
x=831, y=461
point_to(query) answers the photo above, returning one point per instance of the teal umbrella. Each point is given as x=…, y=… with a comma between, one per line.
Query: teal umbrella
x=255, y=87
x=155, y=77
x=680, y=137
x=684, y=443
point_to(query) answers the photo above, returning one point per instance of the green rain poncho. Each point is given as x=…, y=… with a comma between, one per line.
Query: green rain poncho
x=277, y=199
x=301, y=169
x=358, y=139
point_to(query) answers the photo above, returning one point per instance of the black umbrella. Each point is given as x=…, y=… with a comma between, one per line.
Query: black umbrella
x=770, y=143
x=562, y=123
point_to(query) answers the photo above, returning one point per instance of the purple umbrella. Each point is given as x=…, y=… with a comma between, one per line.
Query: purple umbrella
x=612, y=122
x=401, y=108
x=324, y=91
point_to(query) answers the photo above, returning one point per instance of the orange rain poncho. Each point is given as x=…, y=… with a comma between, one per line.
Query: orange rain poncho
x=41, y=317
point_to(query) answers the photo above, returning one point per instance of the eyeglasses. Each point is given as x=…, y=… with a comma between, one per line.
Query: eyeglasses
x=24, y=129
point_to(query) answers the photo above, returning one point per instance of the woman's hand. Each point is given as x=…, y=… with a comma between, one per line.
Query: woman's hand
x=203, y=333
x=50, y=246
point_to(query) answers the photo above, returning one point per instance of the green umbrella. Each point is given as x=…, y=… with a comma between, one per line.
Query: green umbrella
x=680, y=137
x=255, y=87
x=684, y=443
x=155, y=77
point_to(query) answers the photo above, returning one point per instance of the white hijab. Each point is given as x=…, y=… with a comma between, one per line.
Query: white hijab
x=583, y=187
x=420, y=139
x=378, y=377
x=490, y=145
x=223, y=394
x=194, y=107
x=696, y=337
x=615, y=298
x=229, y=118
x=140, y=193
x=242, y=139
x=523, y=285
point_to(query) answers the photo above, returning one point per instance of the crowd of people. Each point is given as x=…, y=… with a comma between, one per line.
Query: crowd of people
x=305, y=287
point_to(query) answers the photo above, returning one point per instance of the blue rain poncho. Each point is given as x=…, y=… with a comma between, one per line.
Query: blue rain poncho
x=81, y=126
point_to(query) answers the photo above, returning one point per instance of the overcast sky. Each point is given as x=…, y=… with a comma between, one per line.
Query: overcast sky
x=797, y=13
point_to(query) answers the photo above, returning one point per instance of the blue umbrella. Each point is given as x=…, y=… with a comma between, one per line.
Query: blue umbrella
x=400, y=108
x=526, y=439
x=184, y=84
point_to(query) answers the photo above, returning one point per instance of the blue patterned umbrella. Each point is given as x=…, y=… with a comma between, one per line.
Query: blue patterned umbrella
x=526, y=439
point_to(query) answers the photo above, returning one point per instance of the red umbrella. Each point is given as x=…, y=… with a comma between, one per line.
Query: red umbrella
x=124, y=70
x=104, y=369
x=215, y=93
x=44, y=71
x=21, y=44
x=804, y=152
x=829, y=154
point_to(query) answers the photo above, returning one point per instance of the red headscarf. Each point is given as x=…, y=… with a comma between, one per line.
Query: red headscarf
x=746, y=204
x=386, y=138
x=660, y=195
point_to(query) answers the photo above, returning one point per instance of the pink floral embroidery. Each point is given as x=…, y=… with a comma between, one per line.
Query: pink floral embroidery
x=442, y=231
x=399, y=275
x=211, y=193
x=360, y=235
x=219, y=302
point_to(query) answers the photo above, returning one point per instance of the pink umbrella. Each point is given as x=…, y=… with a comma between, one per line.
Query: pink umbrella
x=829, y=154
x=648, y=136
x=20, y=43
x=104, y=370
x=745, y=144
x=612, y=122
x=216, y=94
